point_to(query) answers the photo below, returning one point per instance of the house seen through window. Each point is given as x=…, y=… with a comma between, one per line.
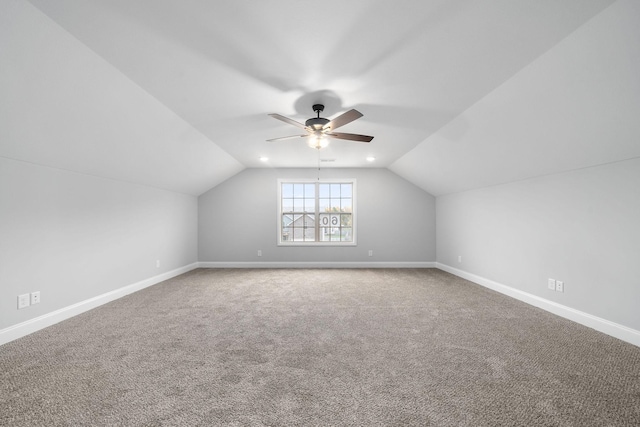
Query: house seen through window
x=316, y=212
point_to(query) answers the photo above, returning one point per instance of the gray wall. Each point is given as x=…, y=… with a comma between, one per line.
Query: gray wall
x=394, y=218
x=582, y=227
x=73, y=236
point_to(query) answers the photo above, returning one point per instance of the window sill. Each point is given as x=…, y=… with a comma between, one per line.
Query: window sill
x=317, y=244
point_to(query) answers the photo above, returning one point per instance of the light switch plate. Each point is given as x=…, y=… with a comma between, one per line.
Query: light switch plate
x=23, y=301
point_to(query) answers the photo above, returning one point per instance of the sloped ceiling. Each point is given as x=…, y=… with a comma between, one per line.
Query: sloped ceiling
x=576, y=106
x=458, y=94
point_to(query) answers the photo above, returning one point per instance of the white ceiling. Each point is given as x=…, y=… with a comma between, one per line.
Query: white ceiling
x=456, y=93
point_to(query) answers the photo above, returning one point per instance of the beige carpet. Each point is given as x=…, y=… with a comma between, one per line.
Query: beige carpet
x=318, y=347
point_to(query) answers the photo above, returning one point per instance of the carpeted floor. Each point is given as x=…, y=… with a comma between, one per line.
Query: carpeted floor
x=319, y=347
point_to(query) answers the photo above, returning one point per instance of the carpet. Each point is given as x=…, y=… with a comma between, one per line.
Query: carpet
x=318, y=347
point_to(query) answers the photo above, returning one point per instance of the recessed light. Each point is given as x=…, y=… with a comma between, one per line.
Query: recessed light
x=370, y=159
x=264, y=159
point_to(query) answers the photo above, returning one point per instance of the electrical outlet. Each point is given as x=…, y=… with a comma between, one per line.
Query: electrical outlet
x=35, y=297
x=23, y=301
x=259, y=252
x=559, y=286
x=370, y=252
x=551, y=284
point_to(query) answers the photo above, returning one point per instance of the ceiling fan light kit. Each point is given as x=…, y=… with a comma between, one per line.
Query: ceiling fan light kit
x=319, y=129
x=318, y=142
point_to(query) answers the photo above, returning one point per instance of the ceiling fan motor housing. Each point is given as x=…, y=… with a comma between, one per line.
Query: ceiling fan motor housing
x=317, y=122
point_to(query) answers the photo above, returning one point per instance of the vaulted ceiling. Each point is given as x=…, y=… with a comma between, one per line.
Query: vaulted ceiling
x=458, y=94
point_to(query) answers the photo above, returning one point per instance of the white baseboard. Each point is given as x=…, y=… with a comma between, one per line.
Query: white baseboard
x=616, y=330
x=328, y=264
x=624, y=333
x=25, y=328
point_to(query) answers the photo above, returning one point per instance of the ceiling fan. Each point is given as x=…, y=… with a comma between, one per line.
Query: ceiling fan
x=319, y=129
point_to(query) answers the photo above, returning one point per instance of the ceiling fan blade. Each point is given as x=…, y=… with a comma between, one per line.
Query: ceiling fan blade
x=287, y=137
x=288, y=120
x=350, y=136
x=342, y=120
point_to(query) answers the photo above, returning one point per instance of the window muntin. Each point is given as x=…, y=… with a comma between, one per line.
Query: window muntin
x=316, y=212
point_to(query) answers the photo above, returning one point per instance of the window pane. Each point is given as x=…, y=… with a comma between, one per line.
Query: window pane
x=309, y=205
x=345, y=220
x=298, y=205
x=345, y=205
x=325, y=234
x=309, y=235
x=324, y=205
x=325, y=220
x=309, y=221
x=345, y=190
x=287, y=190
x=287, y=205
x=310, y=190
x=335, y=190
x=298, y=190
x=346, y=235
x=286, y=220
x=335, y=205
x=325, y=190
x=298, y=234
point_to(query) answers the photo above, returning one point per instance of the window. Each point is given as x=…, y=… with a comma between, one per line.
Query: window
x=316, y=212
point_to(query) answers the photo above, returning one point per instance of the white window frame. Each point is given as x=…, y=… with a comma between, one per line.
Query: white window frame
x=351, y=181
